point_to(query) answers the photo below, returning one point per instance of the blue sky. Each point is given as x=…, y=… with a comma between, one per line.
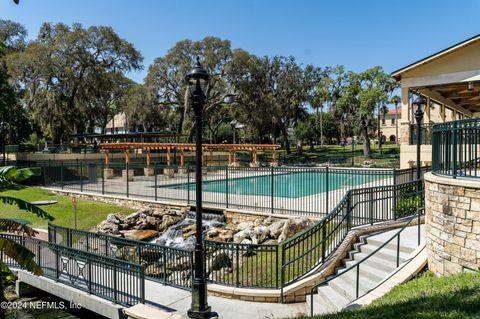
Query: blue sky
x=357, y=34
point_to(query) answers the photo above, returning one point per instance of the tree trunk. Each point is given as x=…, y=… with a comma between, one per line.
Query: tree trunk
x=286, y=140
x=367, y=151
x=321, y=126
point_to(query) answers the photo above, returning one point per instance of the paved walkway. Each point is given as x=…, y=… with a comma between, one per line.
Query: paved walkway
x=178, y=301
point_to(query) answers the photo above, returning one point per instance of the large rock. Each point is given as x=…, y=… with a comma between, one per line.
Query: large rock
x=167, y=221
x=217, y=261
x=219, y=234
x=293, y=226
x=132, y=218
x=151, y=221
x=241, y=235
x=137, y=234
x=128, y=253
x=275, y=228
x=112, y=218
x=107, y=227
x=188, y=231
x=244, y=225
x=261, y=233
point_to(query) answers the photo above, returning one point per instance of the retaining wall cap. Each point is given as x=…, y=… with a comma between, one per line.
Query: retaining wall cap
x=459, y=181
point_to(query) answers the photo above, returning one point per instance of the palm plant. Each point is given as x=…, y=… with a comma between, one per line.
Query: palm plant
x=9, y=178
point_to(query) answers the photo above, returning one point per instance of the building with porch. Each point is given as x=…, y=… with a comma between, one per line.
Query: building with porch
x=450, y=82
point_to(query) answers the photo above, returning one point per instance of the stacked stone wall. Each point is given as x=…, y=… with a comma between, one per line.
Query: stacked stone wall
x=452, y=210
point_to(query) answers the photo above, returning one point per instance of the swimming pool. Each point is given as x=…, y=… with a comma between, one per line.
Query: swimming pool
x=288, y=185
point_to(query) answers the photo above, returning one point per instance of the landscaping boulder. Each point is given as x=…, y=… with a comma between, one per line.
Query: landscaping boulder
x=107, y=227
x=275, y=228
x=293, y=226
x=137, y=234
x=112, y=218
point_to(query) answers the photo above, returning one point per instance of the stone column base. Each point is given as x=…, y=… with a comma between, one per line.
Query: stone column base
x=182, y=170
x=274, y=164
x=170, y=172
x=254, y=164
x=234, y=164
x=108, y=173
x=148, y=171
x=130, y=175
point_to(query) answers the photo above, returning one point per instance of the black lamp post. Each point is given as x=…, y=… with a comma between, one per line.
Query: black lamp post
x=419, y=105
x=200, y=309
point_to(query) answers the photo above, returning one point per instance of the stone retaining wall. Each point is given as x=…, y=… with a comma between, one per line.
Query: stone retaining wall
x=452, y=209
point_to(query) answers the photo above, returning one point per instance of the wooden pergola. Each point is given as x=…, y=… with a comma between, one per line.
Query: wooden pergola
x=182, y=147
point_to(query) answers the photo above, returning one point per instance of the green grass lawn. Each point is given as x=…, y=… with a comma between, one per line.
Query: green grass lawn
x=425, y=297
x=89, y=213
x=335, y=154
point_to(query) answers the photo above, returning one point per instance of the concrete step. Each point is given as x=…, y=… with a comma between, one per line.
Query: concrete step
x=384, y=253
x=405, y=245
x=341, y=290
x=367, y=272
x=328, y=298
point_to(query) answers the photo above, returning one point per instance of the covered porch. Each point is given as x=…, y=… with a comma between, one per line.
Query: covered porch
x=450, y=82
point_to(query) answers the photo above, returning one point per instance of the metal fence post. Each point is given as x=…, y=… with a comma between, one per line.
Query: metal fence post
x=327, y=192
x=103, y=178
x=349, y=210
x=324, y=240
x=226, y=185
x=237, y=266
x=371, y=205
x=115, y=282
x=61, y=174
x=128, y=177
x=156, y=182
x=142, y=285
x=454, y=164
x=394, y=208
x=188, y=184
x=81, y=177
x=273, y=189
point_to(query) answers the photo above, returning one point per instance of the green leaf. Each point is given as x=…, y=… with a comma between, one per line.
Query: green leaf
x=25, y=173
x=22, y=255
x=19, y=225
x=5, y=272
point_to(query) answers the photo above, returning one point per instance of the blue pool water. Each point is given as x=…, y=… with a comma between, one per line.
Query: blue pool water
x=289, y=185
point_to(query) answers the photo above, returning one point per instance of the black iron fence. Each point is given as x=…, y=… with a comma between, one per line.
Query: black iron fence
x=168, y=265
x=121, y=282
x=290, y=190
x=270, y=266
x=308, y=250
x=456, y=148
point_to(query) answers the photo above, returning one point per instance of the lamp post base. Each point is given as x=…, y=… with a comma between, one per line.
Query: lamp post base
x=205, y=314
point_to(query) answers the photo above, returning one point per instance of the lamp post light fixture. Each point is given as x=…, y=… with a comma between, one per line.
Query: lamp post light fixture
x=419, y=105
x=197, y=78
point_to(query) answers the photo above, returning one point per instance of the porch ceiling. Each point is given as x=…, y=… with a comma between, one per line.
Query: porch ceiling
x=461, y=94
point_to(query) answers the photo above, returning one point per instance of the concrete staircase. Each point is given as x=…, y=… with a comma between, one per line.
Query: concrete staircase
x=341, y=291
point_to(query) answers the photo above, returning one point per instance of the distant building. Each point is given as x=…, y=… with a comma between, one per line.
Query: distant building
x=389, y=124
x=119, y=125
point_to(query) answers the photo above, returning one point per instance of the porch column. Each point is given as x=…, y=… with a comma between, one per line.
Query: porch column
x=148, y=171
x=107, y=172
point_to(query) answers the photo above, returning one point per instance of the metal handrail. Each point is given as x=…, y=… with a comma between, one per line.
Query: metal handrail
x=61, y=264
x=357, y=265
